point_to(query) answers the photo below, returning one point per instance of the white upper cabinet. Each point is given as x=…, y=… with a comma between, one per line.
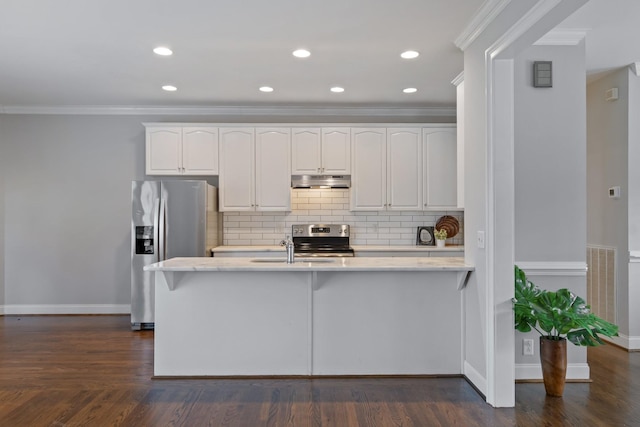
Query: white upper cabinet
x=321, y=151
x=440, y=168
x=386, y=169
x=336, y=151
x=237, y=167
x=254, y=169
x=200, y=151
x=404, y=169
x=273, y=170
x=181, y=150
x=306, y=151
x=369, y=169
x=163, y=151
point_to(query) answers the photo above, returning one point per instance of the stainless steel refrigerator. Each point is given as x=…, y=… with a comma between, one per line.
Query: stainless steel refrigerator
x=169, y=219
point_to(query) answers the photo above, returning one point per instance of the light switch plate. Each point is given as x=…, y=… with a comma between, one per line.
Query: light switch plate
x=481, y=239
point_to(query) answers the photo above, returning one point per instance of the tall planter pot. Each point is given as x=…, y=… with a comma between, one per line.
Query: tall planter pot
x=553, y=357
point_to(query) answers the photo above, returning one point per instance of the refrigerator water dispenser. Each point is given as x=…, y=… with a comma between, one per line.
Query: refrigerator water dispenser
x=144, y=240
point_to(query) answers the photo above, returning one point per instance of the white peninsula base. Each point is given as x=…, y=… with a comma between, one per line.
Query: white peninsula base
x=307, y=319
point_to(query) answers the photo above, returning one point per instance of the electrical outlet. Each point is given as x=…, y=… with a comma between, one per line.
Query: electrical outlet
x=527, y=347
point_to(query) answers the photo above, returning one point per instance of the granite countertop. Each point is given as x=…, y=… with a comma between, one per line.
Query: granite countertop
x=362, y=248
x=204, y=264
x=406, y=248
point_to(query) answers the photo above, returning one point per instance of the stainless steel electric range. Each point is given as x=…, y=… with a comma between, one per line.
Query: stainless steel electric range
x=321, y=240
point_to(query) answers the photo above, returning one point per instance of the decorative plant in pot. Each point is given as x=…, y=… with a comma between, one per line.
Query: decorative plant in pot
x=558, y=316
x=441, y=237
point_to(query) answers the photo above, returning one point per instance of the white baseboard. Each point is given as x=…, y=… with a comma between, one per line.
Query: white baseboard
x=625, y=341
x=533, y=371
x=476, y=379
x=24, y=309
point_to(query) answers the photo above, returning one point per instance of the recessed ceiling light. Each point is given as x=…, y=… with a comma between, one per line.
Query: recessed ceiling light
x=337, y=89
x=266, y=89
x=169, y=88
x=164, y=51
x=301, y=53
x=410, y=54
x=410, y=90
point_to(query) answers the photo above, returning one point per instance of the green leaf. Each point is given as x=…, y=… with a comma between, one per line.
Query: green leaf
x=557, y=314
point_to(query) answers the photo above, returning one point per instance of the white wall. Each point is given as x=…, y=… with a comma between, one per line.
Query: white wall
x=311, y=206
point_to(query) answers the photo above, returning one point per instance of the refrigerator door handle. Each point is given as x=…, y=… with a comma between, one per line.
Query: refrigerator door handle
x=156, y=232
x=163, y=230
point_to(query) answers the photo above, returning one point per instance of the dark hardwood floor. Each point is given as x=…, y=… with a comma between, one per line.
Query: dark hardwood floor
x=93, y=371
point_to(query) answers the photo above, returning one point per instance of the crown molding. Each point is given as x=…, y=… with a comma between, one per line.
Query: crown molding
x=635, y=67
x=489, y=10
x=563, y=37
x=231, y=111
x=458, y=79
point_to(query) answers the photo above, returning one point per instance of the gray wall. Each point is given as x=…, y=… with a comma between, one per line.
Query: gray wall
x=613, y=156
x=550, y=173
x=476, y=190
x=607, y=152
x=66, y=204
x=550, y=157
x=607, y=157
x=2, y=157
x=67, y=207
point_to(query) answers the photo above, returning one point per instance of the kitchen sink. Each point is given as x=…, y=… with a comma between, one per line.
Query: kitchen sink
x=278, y=260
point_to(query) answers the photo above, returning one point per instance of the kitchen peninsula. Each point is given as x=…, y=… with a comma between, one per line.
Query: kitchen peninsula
x=337, y=316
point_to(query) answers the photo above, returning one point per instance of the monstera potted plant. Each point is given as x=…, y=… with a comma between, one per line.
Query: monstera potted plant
x=558, y=316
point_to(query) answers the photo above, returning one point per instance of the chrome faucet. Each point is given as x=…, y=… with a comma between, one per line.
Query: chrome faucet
x=288, y=243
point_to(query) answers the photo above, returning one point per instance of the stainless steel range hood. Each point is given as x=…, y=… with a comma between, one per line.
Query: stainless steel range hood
x=321, y=181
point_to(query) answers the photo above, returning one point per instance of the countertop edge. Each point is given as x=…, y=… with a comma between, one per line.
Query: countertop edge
x=450, y=264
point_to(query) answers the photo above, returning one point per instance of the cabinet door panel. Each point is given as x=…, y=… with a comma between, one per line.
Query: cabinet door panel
x=273, y=173
x=440, y=170
x=163, y=151
x=404, y=160
x=305, y=151
x=336, y=151
x=368, y=155
x=200, y=151
x=237, y=169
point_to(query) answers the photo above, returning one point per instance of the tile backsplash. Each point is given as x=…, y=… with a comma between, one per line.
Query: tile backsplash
x=331, y=206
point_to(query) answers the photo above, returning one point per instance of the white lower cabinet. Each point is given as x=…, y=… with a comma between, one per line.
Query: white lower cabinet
x=439, y=169
x=255, y=172
x=386, y=166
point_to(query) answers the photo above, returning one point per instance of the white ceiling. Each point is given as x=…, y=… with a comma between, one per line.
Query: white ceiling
x=612, y=34
x=99, y=52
